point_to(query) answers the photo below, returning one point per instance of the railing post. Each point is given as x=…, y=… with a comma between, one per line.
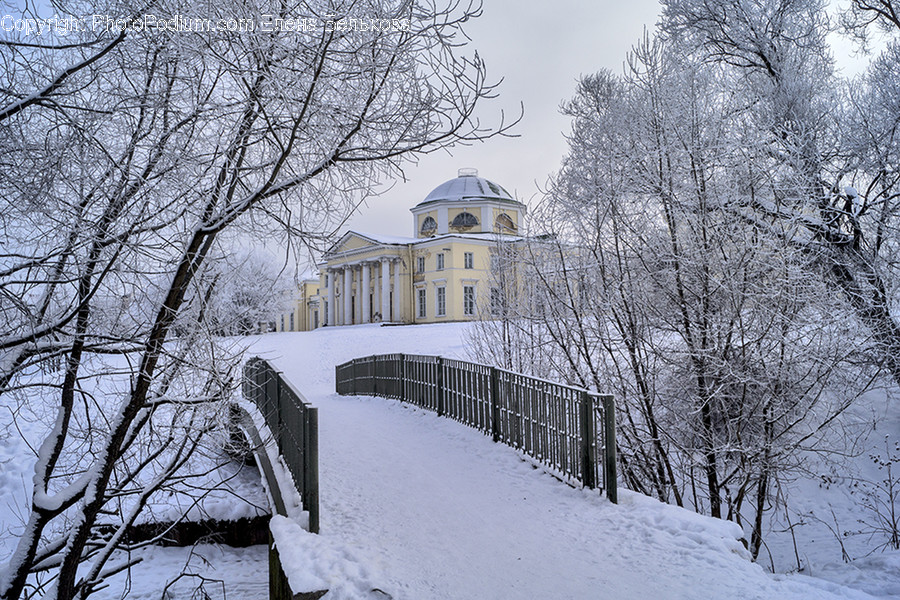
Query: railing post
x=609, y=454
x=279, y=402
x=374, y=360
x=311, y=468
x=403, y=378
x=495, y=404
x=440, y=386
x=588, y=437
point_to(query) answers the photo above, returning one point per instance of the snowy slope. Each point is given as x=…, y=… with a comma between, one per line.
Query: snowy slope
x=432, y=509
x=423, y=507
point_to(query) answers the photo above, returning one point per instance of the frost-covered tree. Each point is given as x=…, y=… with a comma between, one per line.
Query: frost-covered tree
x=126, y=155
x=808, y=152
x=719, y=339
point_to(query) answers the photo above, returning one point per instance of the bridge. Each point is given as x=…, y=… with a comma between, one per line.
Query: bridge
x=562, y=428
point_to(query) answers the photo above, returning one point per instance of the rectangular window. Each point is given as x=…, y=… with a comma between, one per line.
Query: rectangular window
x=282, y=322
x=469, y=300
x=496, y=302
x=420, y=264
x=292, y=321
x=469, y=260
x=440, y=261
x=440, y=300
x=421, y=303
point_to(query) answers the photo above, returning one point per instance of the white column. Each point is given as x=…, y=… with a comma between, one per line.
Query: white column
x=329, y=275
x=376, y=290
x=357, y=283
x=348, y=291
x=339, y=304
x=366, y=308
x=385, y=290
x=396, y=316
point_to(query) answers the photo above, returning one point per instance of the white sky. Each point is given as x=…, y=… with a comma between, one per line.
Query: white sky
x=540, y=50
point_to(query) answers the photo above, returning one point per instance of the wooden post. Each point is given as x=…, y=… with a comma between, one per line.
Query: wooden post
x=495, y=404
x=311, y=468
x=588, y=435
x=440, y=386
x=609, y=438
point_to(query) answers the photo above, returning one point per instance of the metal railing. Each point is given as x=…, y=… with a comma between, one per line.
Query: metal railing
x=294, y=423
x=569, y=429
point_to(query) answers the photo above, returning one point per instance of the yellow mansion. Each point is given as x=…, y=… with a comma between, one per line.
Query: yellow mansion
x=440, y=274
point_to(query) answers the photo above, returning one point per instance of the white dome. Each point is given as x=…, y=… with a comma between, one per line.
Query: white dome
x=468, y=186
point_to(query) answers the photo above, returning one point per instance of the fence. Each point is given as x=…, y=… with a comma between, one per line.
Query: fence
x=566, y=428
x=295, y=425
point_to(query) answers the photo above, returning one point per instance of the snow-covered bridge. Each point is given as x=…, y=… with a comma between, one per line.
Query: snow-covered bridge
x=422, y=507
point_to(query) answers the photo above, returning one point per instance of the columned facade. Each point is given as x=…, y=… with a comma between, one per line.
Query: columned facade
x=424, y=278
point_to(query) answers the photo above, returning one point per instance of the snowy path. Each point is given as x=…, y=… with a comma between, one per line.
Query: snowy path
x=434, y=509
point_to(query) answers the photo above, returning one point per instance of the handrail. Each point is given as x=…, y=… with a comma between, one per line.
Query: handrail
x=294, y=424
x=564, y=427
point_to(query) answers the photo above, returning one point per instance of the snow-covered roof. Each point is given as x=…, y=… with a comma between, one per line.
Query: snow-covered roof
x=388, y=239
x=468, y=186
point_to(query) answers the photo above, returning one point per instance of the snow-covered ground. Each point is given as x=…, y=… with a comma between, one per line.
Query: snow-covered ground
x=422, y=507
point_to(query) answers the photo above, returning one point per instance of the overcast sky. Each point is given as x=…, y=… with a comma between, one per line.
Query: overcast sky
x=540, y=50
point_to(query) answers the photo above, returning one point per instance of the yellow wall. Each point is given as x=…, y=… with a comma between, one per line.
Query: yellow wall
x=453, y=278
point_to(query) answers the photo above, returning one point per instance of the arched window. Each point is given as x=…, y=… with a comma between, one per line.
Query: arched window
x=464, y=220
x=505, y=223
x=429, y=226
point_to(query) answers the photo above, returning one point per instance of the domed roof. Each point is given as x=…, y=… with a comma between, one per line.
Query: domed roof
x=468, y=186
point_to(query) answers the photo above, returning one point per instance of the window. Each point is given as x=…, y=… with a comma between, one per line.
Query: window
x=505, y=223
x=440, y=300
x=420, y=264
x=440, y=261
x=469, y=259
x=469, y=300
x=282, y=322
x=292, y=321
x=429, y=226
x=421, y=303
x=464, y=220
x=496, y=302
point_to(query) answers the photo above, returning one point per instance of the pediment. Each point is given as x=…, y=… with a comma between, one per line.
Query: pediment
x=351, y=241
